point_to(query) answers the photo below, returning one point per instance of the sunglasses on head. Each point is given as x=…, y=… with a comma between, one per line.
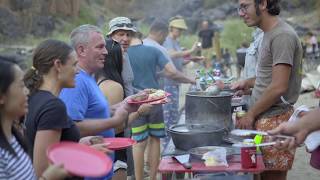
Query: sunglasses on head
x=129, y=25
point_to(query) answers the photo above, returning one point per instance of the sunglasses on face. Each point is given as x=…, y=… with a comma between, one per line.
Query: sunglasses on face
x=129, y=25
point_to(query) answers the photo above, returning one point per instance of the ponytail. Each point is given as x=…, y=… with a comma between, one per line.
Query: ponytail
x=32, y=79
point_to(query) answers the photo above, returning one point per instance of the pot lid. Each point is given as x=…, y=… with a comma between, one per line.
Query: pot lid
x=191, y=128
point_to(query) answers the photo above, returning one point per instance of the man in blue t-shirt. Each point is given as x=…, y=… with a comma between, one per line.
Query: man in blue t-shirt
x=85, y=103
x=150, y=126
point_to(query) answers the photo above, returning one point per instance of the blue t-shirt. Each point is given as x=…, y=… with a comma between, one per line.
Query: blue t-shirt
x=144, y=62
x=86, y=101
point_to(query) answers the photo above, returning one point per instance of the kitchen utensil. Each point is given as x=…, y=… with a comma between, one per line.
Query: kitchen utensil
x=245, y=132
x=201, y=108
x=184, y=160
x=255, y=145
x=187, y=136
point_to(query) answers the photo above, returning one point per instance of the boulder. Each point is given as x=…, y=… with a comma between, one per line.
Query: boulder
x=42, y=26
x=10, y=24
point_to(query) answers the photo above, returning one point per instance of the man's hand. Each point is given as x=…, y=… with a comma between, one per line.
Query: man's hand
x=129, y=107
x=144, y=109
x=240, y=85
x=197, y=58
x=246, y=122
x=195, y=47
x=292, y=129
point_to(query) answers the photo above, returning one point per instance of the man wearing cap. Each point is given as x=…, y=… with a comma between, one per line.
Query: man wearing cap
x=121, y=30
x=176, y=26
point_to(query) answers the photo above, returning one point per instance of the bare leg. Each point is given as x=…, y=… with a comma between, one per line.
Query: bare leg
x=138, y=158
x=154, y=156
x=274, y=175
x=120, y=174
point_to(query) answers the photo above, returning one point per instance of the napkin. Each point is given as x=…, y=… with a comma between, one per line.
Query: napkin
x=217, y=157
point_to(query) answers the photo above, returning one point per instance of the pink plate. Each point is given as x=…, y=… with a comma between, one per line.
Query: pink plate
x=119, y=143
x=161, y=101
x=148, y=100
x=79, y=159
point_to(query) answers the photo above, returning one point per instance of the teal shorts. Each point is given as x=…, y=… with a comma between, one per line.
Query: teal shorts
x=150, y=125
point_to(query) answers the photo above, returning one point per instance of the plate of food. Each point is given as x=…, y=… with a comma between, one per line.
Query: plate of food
x=147, y=96
x=79, y=159
x=118, y=143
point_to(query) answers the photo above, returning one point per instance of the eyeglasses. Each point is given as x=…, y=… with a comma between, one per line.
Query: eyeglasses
x=243, y=8
x=129, y=25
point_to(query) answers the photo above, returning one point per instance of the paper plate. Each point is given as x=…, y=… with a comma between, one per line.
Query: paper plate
x=79, y=159
x=119, y=143
x=147, y=100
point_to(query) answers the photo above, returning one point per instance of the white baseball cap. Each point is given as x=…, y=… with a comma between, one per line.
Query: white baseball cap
x=121, y=23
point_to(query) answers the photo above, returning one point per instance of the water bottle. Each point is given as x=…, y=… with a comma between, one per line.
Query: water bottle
x=217, y=69
x=198, y=86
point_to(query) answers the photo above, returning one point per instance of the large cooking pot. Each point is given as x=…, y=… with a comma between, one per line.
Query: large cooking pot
x=206, y=109
x=187, y=136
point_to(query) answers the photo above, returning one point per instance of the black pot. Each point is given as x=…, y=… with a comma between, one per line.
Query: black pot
x=212, y=110
x=187, y=136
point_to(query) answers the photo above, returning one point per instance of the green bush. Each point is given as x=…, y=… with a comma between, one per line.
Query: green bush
x=234, y=33
x=212, y=3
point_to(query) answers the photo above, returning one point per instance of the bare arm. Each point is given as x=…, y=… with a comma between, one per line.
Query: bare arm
x=91, y=127
x=171, y=72
x=177, y=54
x=113, y=91
x=278, y=86
x=43, y=139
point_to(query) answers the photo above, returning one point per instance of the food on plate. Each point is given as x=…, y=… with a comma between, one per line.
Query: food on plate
x=140, y=97
x=157, y=95
x=150, y=91
x=96, y=140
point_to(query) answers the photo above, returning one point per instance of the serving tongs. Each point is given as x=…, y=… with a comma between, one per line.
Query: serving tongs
x=255, y=145
x=246, y=132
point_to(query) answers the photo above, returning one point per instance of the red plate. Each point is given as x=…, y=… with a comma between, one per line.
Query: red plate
x=147, y=100
x=119, y=143
x=80, y=160
x=161, y=101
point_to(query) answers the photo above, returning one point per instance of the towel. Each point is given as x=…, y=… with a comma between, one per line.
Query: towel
x=313, y=139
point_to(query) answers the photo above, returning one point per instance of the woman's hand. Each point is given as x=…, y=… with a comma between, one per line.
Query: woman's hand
x=54, y=172
x=102, y=147
x=96, y=142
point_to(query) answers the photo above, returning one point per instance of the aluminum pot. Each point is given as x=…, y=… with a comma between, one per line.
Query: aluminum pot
x=187, y=136
x=206, y=109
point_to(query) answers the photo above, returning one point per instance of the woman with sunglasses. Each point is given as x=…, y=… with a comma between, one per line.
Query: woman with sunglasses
x=14, y=161
x=111, y=84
